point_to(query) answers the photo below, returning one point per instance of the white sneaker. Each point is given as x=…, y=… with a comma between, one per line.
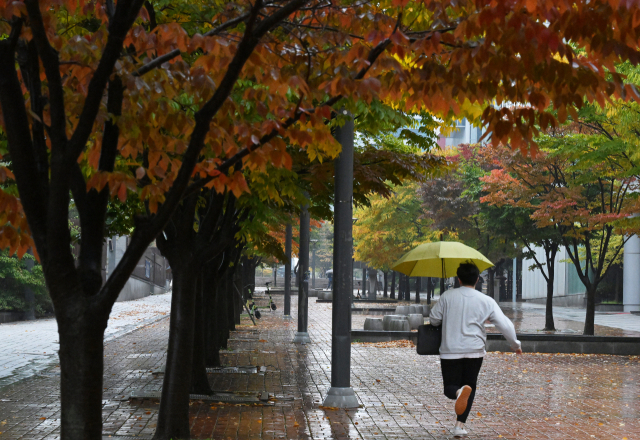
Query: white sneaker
x=459, y=432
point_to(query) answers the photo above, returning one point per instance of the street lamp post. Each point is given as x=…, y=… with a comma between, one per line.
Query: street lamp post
x=302, y=336
x=313, y=263
x=341, y=395
x=287, y=271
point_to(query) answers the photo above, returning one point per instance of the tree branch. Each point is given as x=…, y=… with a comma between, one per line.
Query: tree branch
x=51, y=64
x=30, y=70
x=125, y=15
x=223, y=167
x=16, y=125
x=174, y=53
x=93, y=221
x=145, y=233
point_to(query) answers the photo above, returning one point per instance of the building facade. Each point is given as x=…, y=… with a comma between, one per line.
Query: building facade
x=152, y=274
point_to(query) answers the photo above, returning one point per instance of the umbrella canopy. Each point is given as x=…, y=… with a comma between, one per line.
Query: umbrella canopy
x=439, y=259
x=329, y=271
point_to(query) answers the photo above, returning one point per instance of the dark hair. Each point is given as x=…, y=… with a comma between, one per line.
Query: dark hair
x=468, y=273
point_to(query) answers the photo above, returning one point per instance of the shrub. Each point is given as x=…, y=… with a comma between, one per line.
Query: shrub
x=15, y=277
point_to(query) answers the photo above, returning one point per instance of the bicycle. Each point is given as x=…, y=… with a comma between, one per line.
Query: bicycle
x=272, y=304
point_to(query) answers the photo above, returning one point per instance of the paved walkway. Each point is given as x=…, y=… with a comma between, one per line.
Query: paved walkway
x=27, y=347
x=620, y=320
x=535, y=396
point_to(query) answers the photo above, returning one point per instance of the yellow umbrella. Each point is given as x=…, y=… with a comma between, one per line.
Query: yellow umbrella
x=439, y=259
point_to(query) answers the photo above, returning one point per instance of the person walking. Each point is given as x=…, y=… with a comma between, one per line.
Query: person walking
x=462, y=313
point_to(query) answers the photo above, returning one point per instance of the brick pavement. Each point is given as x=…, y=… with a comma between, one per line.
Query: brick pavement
x=529, y=397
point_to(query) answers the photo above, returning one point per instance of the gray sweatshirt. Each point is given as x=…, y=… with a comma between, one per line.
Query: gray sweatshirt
x=462, y=313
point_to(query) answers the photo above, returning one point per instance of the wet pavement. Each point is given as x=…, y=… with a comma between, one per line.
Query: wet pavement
x=534, y=396
x=530, y=318
x=27, y=347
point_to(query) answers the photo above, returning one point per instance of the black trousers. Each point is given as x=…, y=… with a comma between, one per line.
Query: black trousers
x=459, y=372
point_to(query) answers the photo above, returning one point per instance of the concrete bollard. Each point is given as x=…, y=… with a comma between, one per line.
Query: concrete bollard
x=415, y=320
x=426, y=311
x=386, y=321
x=402, y=310
x=373, y=324
x=328, y=295
x=400, y=325
x=419, y=308
x=321, y=294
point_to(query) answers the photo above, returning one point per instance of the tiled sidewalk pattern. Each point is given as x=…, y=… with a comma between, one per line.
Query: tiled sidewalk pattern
x=27, y=347
x=527, y=397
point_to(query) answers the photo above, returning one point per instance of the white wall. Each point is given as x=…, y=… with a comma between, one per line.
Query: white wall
x=534, y=284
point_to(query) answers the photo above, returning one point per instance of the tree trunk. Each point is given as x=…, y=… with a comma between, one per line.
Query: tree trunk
x=386, y=279
x=441, y=286
x=407, y=288
x=364, y=279
x=589, y=322
x=548, y=317
x=29, y=296
x=418, y=287
x=81, y=364
x=490, y=282
x=231, y=303
x=393, y=285
x=235, y=289
x=199, y=379
x=221, y=315
x=173, y=416
x=212, y=346
x=429, y=290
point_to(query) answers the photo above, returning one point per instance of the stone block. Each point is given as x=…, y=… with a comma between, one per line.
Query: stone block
x=402, y=310
x=386, y=321
x=400, y=325
x=373, y=324
x=415, y=320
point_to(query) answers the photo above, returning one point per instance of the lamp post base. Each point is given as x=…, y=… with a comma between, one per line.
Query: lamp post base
x=341, y=397
x=287, y=317
x=301, y=338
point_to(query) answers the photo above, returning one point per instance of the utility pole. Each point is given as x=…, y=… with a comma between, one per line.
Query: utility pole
x=287, y=272
x=302, y=336
x=341, y=395
x=313, y=263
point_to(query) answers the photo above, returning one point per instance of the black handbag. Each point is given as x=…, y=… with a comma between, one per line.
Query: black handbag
x=429, y=338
